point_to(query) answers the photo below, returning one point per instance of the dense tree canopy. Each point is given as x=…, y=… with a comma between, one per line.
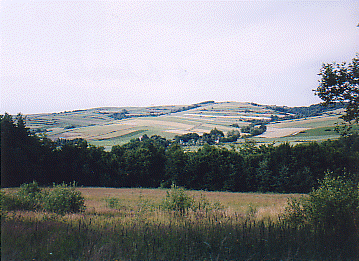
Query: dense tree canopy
x=23, y=155
x=155, y=161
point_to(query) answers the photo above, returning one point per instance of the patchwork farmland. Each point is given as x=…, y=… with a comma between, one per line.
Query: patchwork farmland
x=118, y=125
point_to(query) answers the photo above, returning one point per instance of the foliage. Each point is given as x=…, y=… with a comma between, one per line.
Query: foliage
x=253, y=129
x=30, y=195
x=214, y=168
x=119, y=115
x=334, y=206
x=64, y=199
x=232, y=136
x=175, y=171
x=23, y=155
x=143, y=163
x=112, y=202
x=155, y=161
x=9, y=202
x=31, y=190
x=71, y=126
x=214, y=136
x=234, y=125
x=203, y=204
x=146, y=205
x=27, y=197
x=60, y=199
x=302, y=111
x=294, y=213
x=177, y=200
x=340, y=83
x=187, y=137
x=156, y=235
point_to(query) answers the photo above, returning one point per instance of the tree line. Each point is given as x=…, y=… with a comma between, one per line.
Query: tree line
x=304, y=111
x=158, y=162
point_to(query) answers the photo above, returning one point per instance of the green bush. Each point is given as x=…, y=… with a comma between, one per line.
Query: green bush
x=295, y=215
x=177, y=200
x=112, y=203
x=334, y=206
x=60, y=199
x=29, y=189
x=203, y=204
x=27, y=197
x=63, y=199
x=30, y=196
x=10, y=202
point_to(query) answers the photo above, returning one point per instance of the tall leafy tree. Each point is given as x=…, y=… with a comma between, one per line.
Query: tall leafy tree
x=340, y=83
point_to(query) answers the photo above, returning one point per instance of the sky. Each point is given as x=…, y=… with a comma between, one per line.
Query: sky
x=61, y=56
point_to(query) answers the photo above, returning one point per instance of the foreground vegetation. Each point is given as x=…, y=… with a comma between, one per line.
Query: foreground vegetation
x=144, y=224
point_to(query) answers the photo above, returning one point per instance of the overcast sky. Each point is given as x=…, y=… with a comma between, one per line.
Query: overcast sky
x=58, y=56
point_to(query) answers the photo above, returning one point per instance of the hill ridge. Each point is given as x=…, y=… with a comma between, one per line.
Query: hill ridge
x=116, y=125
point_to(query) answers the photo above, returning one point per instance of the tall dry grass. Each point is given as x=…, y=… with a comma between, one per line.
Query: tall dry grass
x=246, y=227
x=266, y=205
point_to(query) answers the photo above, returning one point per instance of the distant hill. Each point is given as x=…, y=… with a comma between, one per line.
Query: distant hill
x=116, y=125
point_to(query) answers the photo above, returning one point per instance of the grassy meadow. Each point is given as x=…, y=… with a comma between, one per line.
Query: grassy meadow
x=266, y=205
x=129, y=224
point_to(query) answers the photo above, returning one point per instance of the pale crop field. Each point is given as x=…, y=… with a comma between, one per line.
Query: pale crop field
x=275, y=132
x=299, y=130
x=97, y=132
x=309, y=123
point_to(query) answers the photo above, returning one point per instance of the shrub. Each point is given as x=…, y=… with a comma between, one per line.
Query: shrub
x=203, y=204
x=112, y=203
x=60, y=199
x=294, y=213
x=334, y=206
x=64, y=199
x=9, y=202
x=177, y=200
x=29, y=189
x=30, y=196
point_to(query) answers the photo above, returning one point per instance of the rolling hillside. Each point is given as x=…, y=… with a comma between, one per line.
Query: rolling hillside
x=117, y=125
